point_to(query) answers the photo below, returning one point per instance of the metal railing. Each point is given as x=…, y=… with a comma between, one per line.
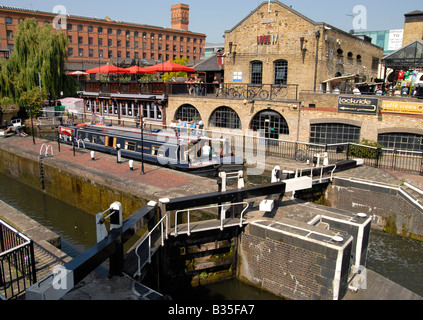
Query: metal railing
x=224, y=90
x=223, y=208
x=17, y=262
x=160, y=232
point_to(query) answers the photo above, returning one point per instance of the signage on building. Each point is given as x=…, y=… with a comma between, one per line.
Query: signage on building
x=237, y=76
x=267, y=39
x=395, y=39
x=403, y=107
x=358, y=105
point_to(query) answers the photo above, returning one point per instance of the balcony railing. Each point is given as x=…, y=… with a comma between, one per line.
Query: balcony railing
x=227, y=90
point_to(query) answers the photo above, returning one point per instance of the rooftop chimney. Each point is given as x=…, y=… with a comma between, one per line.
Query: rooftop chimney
x=180, y=16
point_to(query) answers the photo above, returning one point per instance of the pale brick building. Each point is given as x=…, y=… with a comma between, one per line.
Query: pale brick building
x=278, y=45
x=413, y=27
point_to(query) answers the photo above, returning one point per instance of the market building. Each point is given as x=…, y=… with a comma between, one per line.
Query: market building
x=297, y=86
x=276, y=45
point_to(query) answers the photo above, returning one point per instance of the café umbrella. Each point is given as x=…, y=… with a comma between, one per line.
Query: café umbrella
x=169, y=67
x=107, y=69
x=137, y=70
x=77, y=73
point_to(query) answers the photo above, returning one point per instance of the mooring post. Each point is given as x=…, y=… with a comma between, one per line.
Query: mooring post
x=118, y=154
x=117, y=258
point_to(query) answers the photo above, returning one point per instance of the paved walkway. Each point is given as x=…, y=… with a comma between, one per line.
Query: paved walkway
x=157, y=181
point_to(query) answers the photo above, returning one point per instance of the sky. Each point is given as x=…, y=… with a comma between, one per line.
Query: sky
x=214, y=17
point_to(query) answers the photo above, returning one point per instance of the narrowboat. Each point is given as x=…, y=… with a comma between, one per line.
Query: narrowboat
x=177, y=149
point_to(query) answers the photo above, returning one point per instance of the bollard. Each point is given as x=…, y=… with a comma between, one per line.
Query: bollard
x=276, y=174
x=116, y=261
x=118, y=154
x=92, y=153
x=131, y=165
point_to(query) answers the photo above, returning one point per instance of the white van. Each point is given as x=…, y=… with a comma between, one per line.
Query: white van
x=419, y=81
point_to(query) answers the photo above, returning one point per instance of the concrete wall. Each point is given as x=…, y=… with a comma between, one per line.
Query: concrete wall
x=390, y=211
x=76, y=186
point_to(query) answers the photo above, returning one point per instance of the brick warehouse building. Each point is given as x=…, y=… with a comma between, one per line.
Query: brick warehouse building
x=94, y=41
x=275, y=47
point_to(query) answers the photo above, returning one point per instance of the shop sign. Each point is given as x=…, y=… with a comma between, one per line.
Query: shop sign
x=403, y=107
x=267, y=39
x=358, y=105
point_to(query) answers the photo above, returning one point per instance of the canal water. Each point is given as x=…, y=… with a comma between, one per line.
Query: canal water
x=396, y=258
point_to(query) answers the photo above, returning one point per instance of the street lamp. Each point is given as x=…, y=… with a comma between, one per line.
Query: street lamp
x=32, y=125
x=142, y=144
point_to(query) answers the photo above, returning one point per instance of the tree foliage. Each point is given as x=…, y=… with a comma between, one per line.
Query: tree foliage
x=38, y=51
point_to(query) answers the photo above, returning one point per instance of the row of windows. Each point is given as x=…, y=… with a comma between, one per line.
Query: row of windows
x=127, y=43
x=280, y=72
x=150, y=110
x=126, y=33
x=268, y=122
x=128, y=54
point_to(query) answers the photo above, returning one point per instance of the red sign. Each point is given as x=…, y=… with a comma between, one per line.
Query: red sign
x=267, y=39
x=220, y=59
x=264, y=39
x=66, y=131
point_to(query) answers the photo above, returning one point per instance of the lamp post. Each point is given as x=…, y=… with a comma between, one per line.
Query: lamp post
x=142, y=144
x=317, y=58
x=32, y=125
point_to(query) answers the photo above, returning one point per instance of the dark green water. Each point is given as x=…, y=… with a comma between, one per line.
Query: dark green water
x=78, y=233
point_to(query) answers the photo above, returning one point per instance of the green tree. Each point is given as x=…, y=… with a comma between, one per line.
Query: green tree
x=39, y=52
x=179, y=60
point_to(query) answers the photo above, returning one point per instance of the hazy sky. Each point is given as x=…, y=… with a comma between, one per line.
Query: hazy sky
x=214, y=17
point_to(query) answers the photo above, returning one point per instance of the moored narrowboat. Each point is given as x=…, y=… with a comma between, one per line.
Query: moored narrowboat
x=181, y=150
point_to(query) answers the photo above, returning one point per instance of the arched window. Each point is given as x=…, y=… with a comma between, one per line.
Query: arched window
x=281, y=72
x=401, y=141
x=225, y=117
x=187, y=113
x=270, y=123
x=330, y=133
x=256, y=72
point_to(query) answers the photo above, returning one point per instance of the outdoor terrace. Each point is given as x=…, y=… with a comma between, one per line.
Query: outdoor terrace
x=227, y=90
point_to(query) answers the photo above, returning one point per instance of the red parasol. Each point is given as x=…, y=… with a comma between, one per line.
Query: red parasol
x=137, y=70
x=107, y=69
x=169, y=67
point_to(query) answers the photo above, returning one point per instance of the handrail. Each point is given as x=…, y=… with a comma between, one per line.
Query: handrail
x=222, y=206
x=165, y=231
x=148, y=236
x=47, y=148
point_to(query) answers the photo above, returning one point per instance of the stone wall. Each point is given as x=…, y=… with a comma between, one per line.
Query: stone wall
x=294, y=266
x=316, y=108
x=390, y=211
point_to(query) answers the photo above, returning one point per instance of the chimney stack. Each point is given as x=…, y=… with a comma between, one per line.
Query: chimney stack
x=180, y=16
